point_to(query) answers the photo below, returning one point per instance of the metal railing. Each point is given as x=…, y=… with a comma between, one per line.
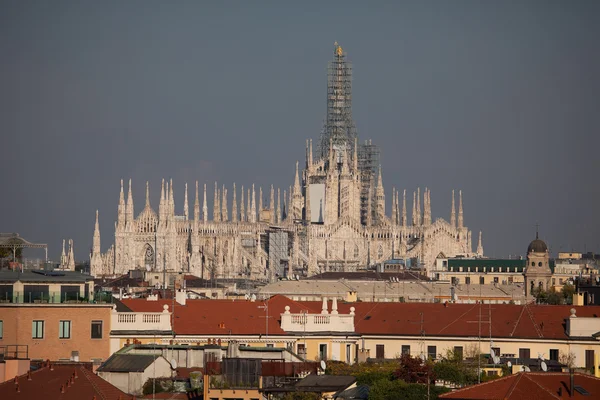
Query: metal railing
x=14, y=351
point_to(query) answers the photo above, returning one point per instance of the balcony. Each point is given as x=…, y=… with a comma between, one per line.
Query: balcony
x=138, y=321
x=324, y=322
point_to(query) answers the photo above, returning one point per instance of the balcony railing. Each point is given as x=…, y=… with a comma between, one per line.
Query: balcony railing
x=132, y=321
x=317, y=322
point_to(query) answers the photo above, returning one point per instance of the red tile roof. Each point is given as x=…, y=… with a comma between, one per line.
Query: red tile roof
x=48, y=384
x=529, y=385
x=248, y=318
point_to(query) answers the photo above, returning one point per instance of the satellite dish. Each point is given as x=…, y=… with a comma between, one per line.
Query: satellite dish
x=527, y=369
x=509, y=364
x=522, y=368
x=492, y=353
x=323, y=365
x=496, y=360
x=253, y=297
x=544, y=366
x=173, y=363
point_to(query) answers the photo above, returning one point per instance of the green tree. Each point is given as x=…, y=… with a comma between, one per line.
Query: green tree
x=399, y=390
x=567, y=292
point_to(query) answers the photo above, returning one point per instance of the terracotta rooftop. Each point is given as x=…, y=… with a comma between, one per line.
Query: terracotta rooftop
x=249, y=318
x=531, y=385
x=64, y=382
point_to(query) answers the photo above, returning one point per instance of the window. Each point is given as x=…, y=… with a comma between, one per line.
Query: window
x=589, y=360
x=432, y=352
x=468, y=280
x=510, y=279
x=496, y=279
x=380, y=351
x=270, y=345
x=96, y=329
x=348, y=353
x=524, y=353
x=496, y=351
x=458, y=352
x=406, y=349
x=533, y=263
x=540, y=264
x=37, y=329
x=553, y=354
x=492, y=373
x=1, y=328
x=482, y=280
x=301, y=350
x=323, y=351
x=64, y=330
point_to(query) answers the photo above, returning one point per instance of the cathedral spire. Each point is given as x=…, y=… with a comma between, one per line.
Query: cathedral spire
x=278, y=210
x=63, y=256
x=345, y=167
x=427, y=207
x=186, y=211
x=296, y=180
x=196, y=205
x=480, y=246
x=171, y=199
x=96, y=240
x=404, y=208
x=310, y=153
x=453, y=212
x=121, y=209
x=248, y=206
x=224, y=213
x=394, y=208
x=380, y=199
x=414, y=209
x=242, y=207
x=253, y=209
x=216, y=209
x=161, y=203
x=272, y=205
x=129, y=216
x=284, y=206
x=355, y=156
x=204, y=206
x=147, y=194
x=460, y=209
x=234, y=211
x=419, y=206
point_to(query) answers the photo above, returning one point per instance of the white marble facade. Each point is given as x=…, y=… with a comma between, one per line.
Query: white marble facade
x=329, y=236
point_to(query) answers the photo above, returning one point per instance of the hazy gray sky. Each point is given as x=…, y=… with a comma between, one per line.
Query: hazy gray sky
x=499, y=99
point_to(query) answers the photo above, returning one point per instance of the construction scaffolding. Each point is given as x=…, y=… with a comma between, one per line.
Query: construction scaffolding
x=339, y=128
x=369, y=161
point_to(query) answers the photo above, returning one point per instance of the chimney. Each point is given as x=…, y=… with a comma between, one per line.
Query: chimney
x=571, y=382
x=181, y=296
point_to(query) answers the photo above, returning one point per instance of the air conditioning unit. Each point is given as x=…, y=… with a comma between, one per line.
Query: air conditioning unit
x=75, y=356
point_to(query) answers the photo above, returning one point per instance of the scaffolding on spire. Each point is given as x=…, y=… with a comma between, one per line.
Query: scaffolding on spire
x=339, y=128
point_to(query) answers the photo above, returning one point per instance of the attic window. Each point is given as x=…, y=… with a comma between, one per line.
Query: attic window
x=368, y=317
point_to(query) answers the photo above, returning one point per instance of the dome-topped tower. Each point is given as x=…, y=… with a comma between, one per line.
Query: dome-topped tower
x=537, y=271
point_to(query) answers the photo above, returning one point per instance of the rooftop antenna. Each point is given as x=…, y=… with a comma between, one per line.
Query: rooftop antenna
x=544, y=366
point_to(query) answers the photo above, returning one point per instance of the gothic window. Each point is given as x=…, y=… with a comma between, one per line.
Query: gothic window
x=380, y=252
x=148, y=257
x=541, y=285
x=355, y=251
x=533, y=264
x=540, y=264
